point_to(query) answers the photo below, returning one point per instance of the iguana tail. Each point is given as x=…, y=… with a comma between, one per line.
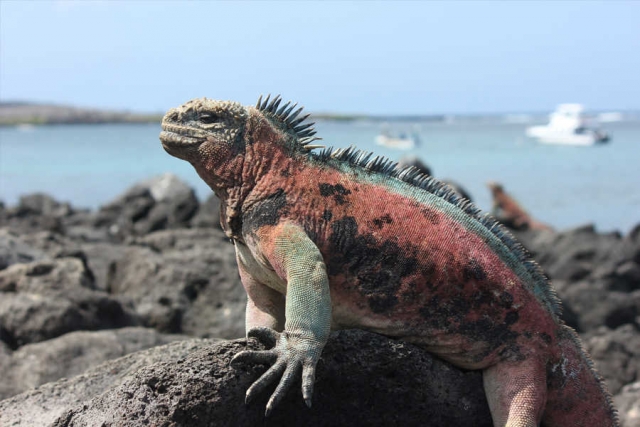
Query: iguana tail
x=576, y=394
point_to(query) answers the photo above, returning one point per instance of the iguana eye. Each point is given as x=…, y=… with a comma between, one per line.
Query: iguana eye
x=208, y=118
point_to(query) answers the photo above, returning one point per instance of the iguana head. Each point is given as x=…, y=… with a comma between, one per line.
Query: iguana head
x=209, y=135
x=225, y=141
x=216, y=125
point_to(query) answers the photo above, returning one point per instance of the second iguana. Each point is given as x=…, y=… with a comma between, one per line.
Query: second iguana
x=342, y=239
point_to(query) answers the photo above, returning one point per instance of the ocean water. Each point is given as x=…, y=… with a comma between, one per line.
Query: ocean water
x=89, y=165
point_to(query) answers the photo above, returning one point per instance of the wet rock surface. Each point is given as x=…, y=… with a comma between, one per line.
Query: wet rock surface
x=82, y=292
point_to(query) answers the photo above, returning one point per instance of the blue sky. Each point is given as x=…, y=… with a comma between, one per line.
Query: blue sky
x=352, y=57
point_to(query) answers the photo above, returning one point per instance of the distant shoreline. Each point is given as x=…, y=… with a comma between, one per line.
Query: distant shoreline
x=30, y=113
x=26, y=113
x=33, y=114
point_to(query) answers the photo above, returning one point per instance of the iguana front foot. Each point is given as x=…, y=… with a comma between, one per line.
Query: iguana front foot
x=291, y=353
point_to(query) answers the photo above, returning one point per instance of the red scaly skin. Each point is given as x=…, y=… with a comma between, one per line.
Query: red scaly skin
x=398, y=262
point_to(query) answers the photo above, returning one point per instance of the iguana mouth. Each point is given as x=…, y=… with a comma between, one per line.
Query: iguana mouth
x=173, y=135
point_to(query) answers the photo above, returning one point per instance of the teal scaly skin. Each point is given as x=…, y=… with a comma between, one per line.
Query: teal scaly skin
x=342, y=239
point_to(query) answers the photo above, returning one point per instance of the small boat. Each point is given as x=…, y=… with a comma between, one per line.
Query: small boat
x=25, y=127
x=400, y=142
x=567, y=126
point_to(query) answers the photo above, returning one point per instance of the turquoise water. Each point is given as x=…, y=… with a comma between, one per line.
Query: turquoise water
x=88, y=165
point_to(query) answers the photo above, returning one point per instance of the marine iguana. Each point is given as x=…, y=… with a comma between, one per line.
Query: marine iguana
x=509, y=212
x=342, y=239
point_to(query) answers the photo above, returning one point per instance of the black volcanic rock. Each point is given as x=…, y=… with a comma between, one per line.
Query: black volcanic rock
x=594, y=306
x=183, y=281
x=208, y=215
x=71, y=354
x=158, y=203
x=628, y=404
x=45, y=299
x=597, y=275
x=43, y=205
x=616, y=354
x=572, y=254
x=36, y=212
x=42, y=406
x=14, y=250
x=397, y=383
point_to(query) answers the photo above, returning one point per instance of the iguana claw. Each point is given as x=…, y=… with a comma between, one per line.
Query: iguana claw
x=266, y=336
x=291, y=355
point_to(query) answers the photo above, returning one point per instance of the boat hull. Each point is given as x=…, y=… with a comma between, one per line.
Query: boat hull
x=546, y=136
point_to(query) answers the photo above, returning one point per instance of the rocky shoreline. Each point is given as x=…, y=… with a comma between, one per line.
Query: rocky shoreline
x=31, y=113
x=20, y=113
x=129, y=315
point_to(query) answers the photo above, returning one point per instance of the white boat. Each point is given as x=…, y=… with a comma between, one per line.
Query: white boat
x=567, y=126
x=25, y=127
x=402, y=141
